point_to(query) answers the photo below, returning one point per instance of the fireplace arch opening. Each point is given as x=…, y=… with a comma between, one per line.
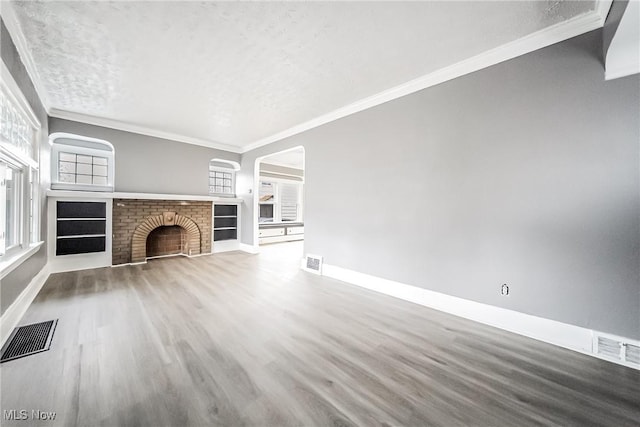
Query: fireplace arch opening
x=167, y=240
x=169, y=225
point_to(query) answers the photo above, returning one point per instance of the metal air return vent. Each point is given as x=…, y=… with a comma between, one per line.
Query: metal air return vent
x=632, y=353
x=29, y=339
x=617, y=349
x=313, y=264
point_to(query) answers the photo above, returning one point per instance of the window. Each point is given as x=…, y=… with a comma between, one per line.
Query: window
x=222, y=177
x=289, y=202
x=220, y=181
x=19, y=184
x=13, y=206
x=280, y=201
x=81, y=163
x=78, y=169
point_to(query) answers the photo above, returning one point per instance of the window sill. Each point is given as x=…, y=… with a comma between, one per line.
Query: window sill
x=13, y=261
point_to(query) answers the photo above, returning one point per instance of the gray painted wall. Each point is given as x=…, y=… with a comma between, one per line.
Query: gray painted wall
x=523, y=173
x=15, y=282
x=147, y=164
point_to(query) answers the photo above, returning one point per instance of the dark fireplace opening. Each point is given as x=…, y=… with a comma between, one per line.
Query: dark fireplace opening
x=166, y=240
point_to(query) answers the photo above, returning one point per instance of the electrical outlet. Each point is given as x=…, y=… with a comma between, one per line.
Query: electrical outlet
x=504, y=290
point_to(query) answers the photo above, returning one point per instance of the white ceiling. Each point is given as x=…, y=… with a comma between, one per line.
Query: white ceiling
x=233, y=74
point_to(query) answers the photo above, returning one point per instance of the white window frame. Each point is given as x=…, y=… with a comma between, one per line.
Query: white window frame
x=231, y=169
x=86, y=147
x=27, y=227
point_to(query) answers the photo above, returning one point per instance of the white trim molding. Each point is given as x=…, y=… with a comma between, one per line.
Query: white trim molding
x=145, y=196
x=13, y=314
x=142, y=130
x=250, y=249
x=225, y=246
x=7, y=265
x=561, y=334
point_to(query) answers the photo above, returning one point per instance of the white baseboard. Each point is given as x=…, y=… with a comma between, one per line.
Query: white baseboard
x=553, y=332
x=60, y=264
x=249, y=248
x=16, y=310
x=225, y=246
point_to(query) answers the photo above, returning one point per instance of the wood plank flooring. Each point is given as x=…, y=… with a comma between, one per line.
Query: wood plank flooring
x=250, y=340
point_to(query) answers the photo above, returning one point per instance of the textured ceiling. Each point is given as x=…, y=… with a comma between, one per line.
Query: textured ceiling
x=236, y=72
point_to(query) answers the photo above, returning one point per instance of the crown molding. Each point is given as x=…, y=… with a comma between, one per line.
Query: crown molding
x=15, y=30
x=142, y=130
x=602, y=9
x=554, y=34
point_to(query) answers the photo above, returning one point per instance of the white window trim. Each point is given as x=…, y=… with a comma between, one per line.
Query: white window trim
x=9, y=154
x=57, y=147
x=10, y=262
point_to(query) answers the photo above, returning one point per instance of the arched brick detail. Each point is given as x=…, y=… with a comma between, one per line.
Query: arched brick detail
x=140, y=234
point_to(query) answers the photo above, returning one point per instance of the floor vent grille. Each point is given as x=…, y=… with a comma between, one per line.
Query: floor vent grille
x=618, y=349
x=29, y=339
x=313, y=263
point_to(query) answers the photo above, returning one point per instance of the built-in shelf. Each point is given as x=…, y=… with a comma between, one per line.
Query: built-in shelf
x=225, y=222
x=80, y=227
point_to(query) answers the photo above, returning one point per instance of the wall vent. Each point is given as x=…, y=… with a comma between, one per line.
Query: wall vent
x=609, y=348
x=617, y=349
x=313, y=264
x=632, y=353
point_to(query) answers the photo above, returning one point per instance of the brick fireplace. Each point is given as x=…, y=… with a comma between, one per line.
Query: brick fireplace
x=144, y=228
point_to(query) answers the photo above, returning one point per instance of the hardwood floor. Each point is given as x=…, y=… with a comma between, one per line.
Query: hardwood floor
x=236, y=339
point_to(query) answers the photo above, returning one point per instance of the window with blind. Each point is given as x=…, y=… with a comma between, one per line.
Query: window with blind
x=289, y=202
